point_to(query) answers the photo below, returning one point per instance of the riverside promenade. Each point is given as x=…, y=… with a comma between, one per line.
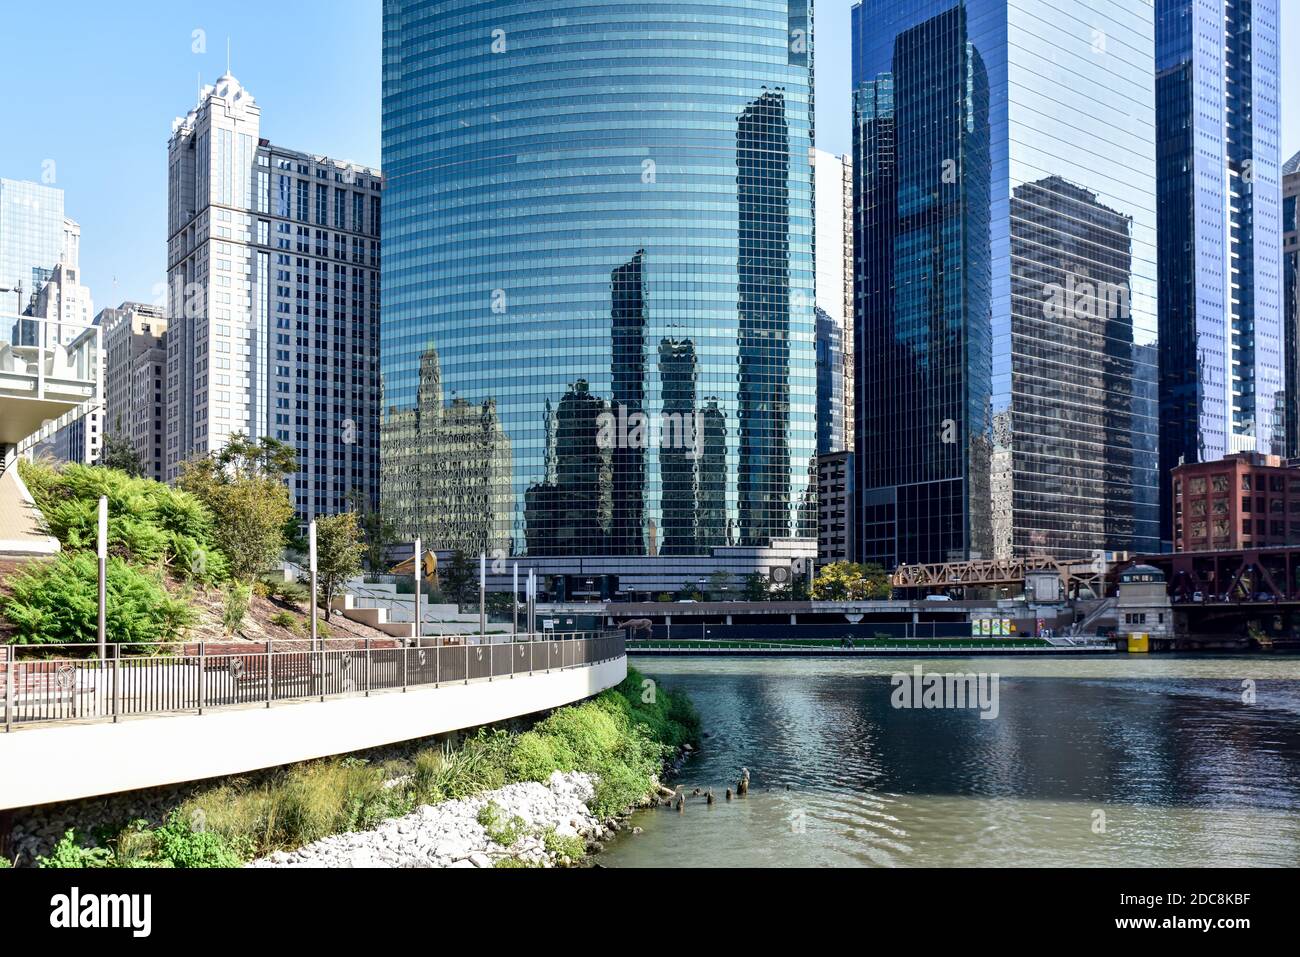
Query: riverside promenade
x=76, y=728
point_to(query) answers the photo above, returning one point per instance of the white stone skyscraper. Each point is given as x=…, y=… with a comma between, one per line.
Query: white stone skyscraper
x=273, y=293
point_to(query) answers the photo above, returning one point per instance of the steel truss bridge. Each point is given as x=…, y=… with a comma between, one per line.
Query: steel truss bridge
x=996, y=573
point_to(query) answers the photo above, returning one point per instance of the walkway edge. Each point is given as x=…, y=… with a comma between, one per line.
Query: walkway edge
x=67, y=762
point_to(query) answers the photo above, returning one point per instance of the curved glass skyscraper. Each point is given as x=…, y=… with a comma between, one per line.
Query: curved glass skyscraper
x=597, y=331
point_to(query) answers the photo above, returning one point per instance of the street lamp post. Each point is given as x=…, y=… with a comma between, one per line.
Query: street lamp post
x=311, y=565
x=101, y=550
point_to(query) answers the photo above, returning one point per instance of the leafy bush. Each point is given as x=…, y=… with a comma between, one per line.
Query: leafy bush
x=287, y=591
x=149, y=523
x=285, y=619
x=501, y=831
x=235, y=606
x=69, y=853
x=58, y=602
x=570, y=847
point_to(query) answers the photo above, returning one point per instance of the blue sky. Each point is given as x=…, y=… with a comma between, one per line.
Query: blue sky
x=94, y=89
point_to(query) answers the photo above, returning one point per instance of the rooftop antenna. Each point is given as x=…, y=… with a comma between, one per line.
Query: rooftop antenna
x=227, y=56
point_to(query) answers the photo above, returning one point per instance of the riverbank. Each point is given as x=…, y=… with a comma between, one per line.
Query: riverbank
x=620, y=740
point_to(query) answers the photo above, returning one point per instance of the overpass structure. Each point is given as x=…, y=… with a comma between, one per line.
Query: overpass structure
x=80, y=727
x=1075, y=577
x=1252, y=576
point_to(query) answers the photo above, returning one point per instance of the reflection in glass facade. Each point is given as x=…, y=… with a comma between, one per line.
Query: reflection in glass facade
x=597, y=328
x=1221, y=339
x=1291, y=299
x=1005, y=287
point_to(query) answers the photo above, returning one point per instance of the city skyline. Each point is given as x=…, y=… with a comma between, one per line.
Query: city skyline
x=150, y=59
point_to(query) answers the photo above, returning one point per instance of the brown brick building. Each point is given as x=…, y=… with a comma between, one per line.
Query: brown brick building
x=1246, y=500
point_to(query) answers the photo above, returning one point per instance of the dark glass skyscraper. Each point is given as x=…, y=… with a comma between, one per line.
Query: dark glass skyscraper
x=1221, y=337
x=1004, y=162
x=598, y=230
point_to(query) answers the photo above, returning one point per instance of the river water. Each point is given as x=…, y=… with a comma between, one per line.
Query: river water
x=1090, y=761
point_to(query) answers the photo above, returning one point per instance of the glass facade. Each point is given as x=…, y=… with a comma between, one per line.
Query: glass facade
x=31, y=239
x=1291, y=298
x=1221, y=336
x=597, y=333
x=1005, y=279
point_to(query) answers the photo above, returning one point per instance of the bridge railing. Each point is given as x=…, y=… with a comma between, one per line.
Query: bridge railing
x=135, y=680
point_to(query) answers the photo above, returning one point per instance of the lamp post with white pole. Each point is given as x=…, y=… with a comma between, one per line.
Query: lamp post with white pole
x=311, y=564
x=415, y=624
x=482, y=598
x=101, y=551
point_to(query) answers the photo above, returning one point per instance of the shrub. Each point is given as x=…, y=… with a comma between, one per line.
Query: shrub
x=149, y=523
x=570, y=847
x=177, y=843
x=286, y=619
x=235, y=606
x=69, y=853
x=58, y=602
x=502, y=832
x=534, y=758
x=288, y=591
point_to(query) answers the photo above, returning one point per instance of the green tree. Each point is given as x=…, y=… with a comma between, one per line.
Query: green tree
x=338, y=553
x=756, y=587
x=719, y=583
x=119, y=453
x=459, y=581
x=850, y=581
x=376, y=531
x=243, y=485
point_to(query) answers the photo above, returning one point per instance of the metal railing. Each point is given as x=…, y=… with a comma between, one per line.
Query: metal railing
x=206, y=675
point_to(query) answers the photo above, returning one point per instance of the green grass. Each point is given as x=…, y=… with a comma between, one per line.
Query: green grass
x=623, y=736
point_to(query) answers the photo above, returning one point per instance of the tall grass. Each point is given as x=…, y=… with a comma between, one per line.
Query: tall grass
x=622, y=736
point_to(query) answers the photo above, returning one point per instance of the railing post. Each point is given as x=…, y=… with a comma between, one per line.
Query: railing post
x=369, y=680
x=203, y=676
x=9, y=689
x=467, y=659
x=269, y=690
x=117, y=685
x=406, y=657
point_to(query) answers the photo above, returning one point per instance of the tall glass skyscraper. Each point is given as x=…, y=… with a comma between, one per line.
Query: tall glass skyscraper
x=598, y=268
x=1221, y=337
x=1005, y=243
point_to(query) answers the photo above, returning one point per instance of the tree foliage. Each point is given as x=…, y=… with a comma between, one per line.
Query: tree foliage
x=120, y=454
x=377, y=532
x=338, y=553
x=57, y=602
x=459, y=580
x=850, y=581
x=244, y=485
x=149, y=523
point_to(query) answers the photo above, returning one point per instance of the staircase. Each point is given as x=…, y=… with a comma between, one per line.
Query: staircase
x=1104, y=607
x=22, y=533
x=379, y=606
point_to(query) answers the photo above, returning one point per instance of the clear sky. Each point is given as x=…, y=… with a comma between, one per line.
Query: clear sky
x=93, y=87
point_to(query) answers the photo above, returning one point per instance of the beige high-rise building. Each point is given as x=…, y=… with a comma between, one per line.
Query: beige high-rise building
x=273, y=299
x=135, y=367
